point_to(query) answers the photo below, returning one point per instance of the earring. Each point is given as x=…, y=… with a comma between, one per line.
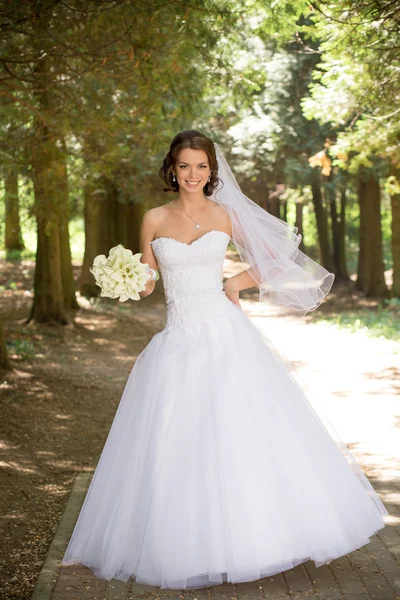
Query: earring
x=209, y=178
x=174, y=178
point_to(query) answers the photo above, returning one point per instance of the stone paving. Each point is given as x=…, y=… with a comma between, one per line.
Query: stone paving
x=372, y=572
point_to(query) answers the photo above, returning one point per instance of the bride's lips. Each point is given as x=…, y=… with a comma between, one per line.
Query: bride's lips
x=192, y=183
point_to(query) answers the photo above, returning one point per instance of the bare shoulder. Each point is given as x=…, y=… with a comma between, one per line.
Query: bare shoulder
x=155, y=213
x=152, y=217
x=222, y=218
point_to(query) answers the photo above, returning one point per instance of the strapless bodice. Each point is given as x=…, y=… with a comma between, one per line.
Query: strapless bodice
x=192, y=276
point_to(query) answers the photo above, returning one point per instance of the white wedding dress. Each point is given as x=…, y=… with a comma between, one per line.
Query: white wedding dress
x=217, y=467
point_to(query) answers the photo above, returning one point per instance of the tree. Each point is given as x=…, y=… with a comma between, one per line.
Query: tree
x=13, y=236
x=114, y=54
x=371, y=276
x=322, y=221
x=273, y=140
x=4, y=361
x=357, y=91
x=54, y=287
x=395, y=203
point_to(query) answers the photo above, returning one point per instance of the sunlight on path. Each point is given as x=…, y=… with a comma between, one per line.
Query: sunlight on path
x=353, y=378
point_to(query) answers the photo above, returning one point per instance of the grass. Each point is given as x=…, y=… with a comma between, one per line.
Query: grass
x=380, y=322
x=21, y=349
x=10, y=285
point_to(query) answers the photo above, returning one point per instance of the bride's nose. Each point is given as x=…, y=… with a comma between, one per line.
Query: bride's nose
x=195, y=173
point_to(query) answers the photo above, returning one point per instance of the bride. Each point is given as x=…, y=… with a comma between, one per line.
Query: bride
x=217, y=468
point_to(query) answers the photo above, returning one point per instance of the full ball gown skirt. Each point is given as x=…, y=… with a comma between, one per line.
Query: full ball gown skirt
x=216, y=467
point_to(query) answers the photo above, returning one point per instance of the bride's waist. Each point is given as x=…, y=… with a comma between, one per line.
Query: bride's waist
x=197, y=306
x=190, y=296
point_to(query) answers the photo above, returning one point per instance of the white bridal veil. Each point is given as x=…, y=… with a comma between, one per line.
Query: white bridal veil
x=285, y=276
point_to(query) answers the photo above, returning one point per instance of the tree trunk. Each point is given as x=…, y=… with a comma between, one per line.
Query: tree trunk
x=263, y=194
x=395, y=200
x=67, y=275
x=54, y=281
x=123, y=223
x=377, y=284
x=93, y=196
x=13, y=236
x=342, y=237
x=284, y=211
x=338, y=230
x=362, y=268
x=274, y=204
x=115, y=210
x=54, y=285
x=136, y=210
x=322, y=222
x=395, y=227
x=330, y=195
x=4, y=361
x=48, y=303
x=299, y=224
x=106, y=217
x=373, y=272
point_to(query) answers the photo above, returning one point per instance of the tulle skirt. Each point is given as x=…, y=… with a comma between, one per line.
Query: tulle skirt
x=217, y=468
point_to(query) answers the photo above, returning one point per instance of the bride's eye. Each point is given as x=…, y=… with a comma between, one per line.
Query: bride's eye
x=201, y=166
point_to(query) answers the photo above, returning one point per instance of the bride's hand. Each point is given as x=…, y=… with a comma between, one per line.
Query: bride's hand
x=231, y=294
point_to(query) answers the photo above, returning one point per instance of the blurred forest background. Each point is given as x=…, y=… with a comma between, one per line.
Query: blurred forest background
x=304, y=99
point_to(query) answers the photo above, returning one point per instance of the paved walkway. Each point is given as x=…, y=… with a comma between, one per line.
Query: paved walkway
x=372, y=572
x=363, y=405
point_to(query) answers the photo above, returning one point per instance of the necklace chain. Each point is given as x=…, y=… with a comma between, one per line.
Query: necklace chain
x=197, y=222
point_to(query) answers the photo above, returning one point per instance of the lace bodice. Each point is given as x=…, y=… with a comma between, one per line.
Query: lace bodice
x=192, y=276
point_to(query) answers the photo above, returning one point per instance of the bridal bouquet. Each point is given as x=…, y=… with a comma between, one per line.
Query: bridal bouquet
x=121, y=274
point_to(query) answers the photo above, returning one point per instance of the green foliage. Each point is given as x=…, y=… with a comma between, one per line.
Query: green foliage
x=119, y=80
x=381, y=322
x=10, y=285
x=357, y=87
x=20, y=349
x=269, y=81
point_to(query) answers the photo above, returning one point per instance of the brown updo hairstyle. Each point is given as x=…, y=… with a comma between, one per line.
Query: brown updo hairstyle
x=197, y=141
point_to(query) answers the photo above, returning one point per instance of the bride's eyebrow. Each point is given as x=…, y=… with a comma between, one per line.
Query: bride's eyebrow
x=183, y=163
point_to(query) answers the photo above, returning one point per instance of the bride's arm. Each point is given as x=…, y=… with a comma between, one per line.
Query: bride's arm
x=240, y=281
x=146, y=236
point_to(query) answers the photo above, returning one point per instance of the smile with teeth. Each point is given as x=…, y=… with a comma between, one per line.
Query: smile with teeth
x=193, y=183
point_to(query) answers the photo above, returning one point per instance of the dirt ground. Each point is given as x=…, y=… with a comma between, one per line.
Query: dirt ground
x=57, y=406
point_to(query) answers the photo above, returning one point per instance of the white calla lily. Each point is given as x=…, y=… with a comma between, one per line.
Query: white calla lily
x=120, y=275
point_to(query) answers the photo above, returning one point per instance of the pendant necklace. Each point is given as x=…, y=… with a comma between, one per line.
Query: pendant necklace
x=197, y=222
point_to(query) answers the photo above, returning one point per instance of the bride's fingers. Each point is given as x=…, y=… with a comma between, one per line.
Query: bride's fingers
x=236, y=301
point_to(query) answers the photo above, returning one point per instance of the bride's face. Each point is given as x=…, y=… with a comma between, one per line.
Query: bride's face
x=192, y=169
